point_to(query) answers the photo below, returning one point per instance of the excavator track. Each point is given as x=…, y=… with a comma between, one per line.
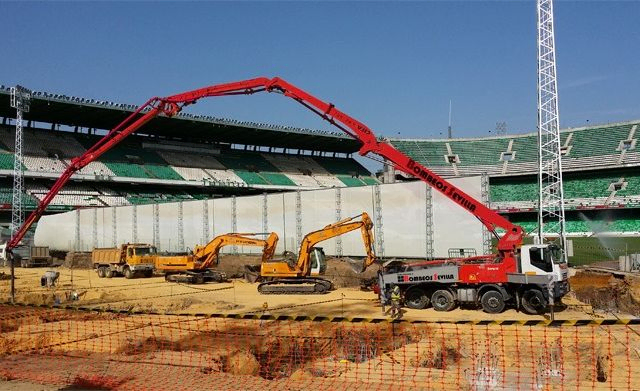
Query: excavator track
x=305, y=286
x=189, y=277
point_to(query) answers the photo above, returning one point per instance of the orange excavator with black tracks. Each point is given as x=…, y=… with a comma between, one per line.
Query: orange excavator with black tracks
x=301, y=275
x=196, y=268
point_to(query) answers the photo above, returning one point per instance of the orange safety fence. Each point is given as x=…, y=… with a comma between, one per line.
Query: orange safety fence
x=126, y=351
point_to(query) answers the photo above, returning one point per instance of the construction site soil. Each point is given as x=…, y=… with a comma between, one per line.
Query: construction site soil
x=591, y=292
x=262, y=357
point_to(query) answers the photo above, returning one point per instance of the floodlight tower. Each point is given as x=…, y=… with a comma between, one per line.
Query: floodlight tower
x=551, y=221
x=20, y=99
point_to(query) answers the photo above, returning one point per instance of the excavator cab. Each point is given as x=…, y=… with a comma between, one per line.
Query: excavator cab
x=318, y=261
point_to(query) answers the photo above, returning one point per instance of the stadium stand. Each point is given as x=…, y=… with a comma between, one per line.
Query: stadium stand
x=227, y=177
x=6, y=161
x=588, y=147
x=50, y=152
x=43, y=164
x=254, y=169
x=130, y=159
x=6, y=197
x=599, y=163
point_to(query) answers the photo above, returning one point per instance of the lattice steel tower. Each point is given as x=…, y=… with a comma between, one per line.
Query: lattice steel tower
x=20, y=99
x=551, y=221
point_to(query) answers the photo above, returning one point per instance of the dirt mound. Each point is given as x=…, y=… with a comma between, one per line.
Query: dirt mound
x=606, y=292
x=78, y=260
x=344, y=272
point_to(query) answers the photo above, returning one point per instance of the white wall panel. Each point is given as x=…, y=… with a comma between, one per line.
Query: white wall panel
x=145, y=223
x=354, y=201
x=56, y=231
x=454, y=227
x=249, y=219
x=318, y=210
x=223, y=218
x=124, y=220
x=86, y=230
x=168, y=227
x=403, y=212
x=276, y=221
x=192, y=224
x=403, y=219
x=289, y=236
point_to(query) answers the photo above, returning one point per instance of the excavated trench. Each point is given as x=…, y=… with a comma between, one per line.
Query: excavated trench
x=606, y=292
x=275, y=352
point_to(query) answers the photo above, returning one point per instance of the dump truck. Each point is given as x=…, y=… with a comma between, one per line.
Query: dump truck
x=128, y=260
x=27, y=256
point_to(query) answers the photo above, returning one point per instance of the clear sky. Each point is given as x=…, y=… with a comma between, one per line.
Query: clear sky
x=392, y=65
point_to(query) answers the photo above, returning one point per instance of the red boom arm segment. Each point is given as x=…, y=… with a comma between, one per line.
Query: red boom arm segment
x=173, y=104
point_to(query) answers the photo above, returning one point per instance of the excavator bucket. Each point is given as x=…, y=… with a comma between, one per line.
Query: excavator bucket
x=252, y=273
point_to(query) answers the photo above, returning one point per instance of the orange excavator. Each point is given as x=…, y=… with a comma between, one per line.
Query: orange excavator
x=300, y=276
x=195, y=268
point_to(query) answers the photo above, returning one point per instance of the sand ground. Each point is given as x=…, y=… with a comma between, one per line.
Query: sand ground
x=410, y=355
x=236, y=296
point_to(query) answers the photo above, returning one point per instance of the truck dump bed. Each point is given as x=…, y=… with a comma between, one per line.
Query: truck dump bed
x=106, y=255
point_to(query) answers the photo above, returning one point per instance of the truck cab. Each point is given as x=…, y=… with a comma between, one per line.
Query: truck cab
x=545, y=261
x=136, y=253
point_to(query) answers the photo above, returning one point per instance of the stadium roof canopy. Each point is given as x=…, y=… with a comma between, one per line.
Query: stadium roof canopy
x=89, y=113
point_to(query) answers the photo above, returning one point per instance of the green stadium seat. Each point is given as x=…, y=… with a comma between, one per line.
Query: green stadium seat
x=6, y=161
x=370, y=180
x=341, y=166
x=251, y=178
x=162, y=172
x=275, y=178
x=351, y=181
x=478, y=152
x=127, y=170
x=599, y=141
x=429, y=153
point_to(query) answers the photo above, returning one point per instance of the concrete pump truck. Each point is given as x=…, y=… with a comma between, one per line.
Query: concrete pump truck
x=526, y=276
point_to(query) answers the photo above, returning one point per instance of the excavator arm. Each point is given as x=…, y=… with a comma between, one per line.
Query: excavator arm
x=207, y=255
x=331, y=231
x=172, y=105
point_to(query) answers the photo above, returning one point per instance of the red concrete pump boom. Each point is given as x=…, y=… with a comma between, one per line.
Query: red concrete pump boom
x=172, y=105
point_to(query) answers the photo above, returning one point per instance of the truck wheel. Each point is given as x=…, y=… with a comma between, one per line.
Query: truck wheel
x=416, y=298
x=492, y=302
x=442, y=300
x=108, y=272
x=101, y=272
x=533, y=302
x=128, y=274
x=24, y=263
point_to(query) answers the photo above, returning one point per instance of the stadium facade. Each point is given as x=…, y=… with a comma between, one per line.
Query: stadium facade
x=191, y=157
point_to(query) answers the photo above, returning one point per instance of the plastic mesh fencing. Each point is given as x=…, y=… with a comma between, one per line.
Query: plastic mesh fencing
x=119, y=351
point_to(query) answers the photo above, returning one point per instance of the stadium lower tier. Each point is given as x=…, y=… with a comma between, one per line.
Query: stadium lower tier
x=588, y=222
x=602, y=188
